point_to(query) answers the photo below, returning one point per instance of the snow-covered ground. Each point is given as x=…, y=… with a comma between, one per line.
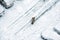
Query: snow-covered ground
x=15, y=24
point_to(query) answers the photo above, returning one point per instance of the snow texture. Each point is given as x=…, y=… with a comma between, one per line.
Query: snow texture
x=15, y=23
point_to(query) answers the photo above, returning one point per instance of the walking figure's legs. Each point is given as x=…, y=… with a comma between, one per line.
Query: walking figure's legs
x=33, y=20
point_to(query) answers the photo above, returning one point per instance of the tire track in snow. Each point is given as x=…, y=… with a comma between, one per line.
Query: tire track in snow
x=45, y=9
x=23, y=20
x=26, y=13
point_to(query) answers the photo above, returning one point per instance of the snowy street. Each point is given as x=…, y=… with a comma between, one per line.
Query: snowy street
x=16, y=21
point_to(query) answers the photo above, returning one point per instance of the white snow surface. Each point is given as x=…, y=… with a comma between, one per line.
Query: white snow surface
x=16, y=22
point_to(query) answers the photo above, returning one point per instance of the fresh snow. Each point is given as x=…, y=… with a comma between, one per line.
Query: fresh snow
x=15, y=24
